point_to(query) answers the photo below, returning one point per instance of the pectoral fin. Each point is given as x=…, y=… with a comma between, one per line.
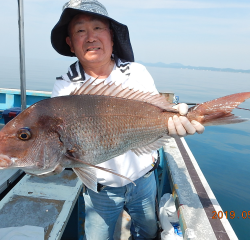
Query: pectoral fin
x=87, y=176
x=88, y=173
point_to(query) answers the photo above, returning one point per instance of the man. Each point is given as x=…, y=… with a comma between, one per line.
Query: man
x=103, y=49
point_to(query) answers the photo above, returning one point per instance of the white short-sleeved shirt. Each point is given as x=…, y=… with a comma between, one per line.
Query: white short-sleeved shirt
x=129, y=74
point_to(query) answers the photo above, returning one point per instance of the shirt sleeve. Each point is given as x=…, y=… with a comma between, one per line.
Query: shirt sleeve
x=63, y=88
x=143, y=79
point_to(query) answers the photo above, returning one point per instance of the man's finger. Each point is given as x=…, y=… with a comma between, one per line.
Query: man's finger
x=171, y=128
x=187, y=125
x=198, y=126
x=182, y=108
x=181, y=131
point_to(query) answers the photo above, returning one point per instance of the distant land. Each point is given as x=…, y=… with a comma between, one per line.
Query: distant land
x=181, y=66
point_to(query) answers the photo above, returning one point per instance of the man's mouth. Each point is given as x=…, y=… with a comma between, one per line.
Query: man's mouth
x=93, y=49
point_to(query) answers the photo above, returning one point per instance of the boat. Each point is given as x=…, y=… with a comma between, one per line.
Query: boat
x=56, y=204
x=199, y=213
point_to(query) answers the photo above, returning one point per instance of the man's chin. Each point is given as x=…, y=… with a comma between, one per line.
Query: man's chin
x=93, y=58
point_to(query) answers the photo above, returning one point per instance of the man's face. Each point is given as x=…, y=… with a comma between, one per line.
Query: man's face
x=90, y=39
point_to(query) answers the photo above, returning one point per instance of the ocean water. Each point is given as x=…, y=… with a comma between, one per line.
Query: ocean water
x=222, y=152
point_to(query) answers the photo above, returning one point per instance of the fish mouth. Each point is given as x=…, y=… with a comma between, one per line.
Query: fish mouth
x=5, y=161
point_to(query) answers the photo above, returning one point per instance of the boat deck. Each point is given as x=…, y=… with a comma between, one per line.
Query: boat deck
x=44, y=202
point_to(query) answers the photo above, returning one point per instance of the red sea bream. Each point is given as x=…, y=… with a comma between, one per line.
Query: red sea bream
x=94, y=124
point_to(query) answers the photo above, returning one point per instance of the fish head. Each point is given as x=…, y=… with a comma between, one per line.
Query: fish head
x=31, y=141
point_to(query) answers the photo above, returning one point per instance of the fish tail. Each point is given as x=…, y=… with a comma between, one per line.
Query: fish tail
x=218, y=111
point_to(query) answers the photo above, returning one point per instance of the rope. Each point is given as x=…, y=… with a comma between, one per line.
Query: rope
x=243, y=108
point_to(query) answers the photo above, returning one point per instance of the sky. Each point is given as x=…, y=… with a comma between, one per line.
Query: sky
x=211, y=33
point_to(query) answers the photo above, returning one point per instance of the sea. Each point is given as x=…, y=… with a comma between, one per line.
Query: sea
x=222, y=152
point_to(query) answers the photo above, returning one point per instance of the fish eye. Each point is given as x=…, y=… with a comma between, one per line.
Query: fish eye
x=24, y=134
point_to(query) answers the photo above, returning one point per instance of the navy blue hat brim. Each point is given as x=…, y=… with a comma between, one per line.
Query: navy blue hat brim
x=122, y=46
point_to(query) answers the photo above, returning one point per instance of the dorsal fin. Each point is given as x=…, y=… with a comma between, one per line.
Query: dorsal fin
x=92, y=88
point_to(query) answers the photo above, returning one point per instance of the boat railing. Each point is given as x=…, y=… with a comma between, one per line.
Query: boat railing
x=10, y=98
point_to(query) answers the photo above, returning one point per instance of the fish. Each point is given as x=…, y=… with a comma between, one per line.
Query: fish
x=95, y=123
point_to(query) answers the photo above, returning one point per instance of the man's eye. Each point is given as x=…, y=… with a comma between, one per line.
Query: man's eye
x=80, y=31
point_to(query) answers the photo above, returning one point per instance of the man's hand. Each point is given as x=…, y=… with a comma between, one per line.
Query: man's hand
x=181, y=126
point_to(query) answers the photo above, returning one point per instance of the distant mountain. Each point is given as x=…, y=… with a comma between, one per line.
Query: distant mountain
x=181, y=66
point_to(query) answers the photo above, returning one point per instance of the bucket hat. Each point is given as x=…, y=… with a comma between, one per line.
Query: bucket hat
x=122, y=47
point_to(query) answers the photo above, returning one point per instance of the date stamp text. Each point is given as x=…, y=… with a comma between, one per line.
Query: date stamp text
x=231, y=214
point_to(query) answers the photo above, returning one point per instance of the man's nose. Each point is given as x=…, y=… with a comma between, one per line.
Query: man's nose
x=91, y=36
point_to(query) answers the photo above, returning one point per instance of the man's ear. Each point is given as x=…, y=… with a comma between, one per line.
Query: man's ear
x=68, y=41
